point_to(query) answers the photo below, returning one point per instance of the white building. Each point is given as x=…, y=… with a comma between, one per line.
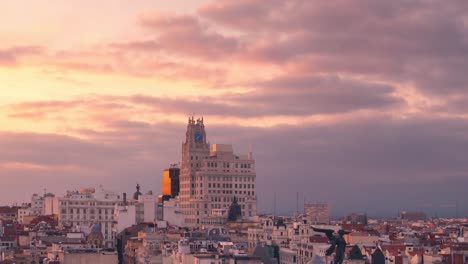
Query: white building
x=287, y=255
x=124, y=216
x=172, y=213
x=22, y=212
x=44, y=205
x=37, y=204
x=146, y=208
x=50, y=204
x=143, y=208
x=211, y=178
x=81, y=209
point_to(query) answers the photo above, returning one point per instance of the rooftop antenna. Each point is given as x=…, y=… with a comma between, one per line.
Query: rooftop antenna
x=297, y=203
x=274, y=204
x=303, y=204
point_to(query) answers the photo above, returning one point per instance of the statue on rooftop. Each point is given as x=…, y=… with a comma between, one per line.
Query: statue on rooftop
x=235, y=211
x=356, y=253
x=137, y=193
x=338, y=243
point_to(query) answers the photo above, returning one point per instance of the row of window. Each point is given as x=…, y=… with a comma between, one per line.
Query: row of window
x=224, y=192
x=229, y=178
x=249, y=213
x=228, y=185
x=227, y=165
x=87, y=203
x=228, y=199
x=85, y=211
x=84, y=217
x=230, y=192
x=219, y=206
x=196, y=157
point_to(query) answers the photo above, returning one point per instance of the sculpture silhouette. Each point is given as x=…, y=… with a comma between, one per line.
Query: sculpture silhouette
x=338, y=243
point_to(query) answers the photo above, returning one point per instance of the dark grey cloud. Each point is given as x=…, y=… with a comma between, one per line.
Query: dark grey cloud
x=420, y=42
x=376, y=165
x=132, y=153
x=296, y=96
x=456, y=105
x=302, y=95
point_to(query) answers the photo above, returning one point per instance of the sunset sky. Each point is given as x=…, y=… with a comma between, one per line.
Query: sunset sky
x=362, y=104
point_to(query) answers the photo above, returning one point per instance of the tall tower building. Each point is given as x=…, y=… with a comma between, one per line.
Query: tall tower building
x=211, y=178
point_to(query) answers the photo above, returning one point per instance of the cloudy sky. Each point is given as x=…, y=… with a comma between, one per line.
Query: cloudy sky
x=361, y=104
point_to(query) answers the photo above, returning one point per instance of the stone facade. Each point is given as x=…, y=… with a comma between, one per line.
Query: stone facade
x=81, y=209
x=211, y=178
x=317, y=213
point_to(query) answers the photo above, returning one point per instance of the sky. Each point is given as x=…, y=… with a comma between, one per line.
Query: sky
x=359, y=104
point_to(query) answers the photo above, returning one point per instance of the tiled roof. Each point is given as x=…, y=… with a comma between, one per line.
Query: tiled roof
x=8, y=210
x=318, y=239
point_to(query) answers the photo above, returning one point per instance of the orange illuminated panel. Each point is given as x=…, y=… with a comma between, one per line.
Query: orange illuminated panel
x=166, y=183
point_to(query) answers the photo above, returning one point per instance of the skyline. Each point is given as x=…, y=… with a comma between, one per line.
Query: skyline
x=358, y=104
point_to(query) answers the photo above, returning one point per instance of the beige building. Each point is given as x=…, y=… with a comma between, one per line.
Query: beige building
x=211, y=178
x=89, y=206
x=362, y=238
x=22, y=213
x=37, y=205
x=50, y=204
x=84, y=257
x=317, y=213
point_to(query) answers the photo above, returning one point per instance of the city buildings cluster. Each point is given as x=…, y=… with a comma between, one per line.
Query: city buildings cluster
x=206, y=213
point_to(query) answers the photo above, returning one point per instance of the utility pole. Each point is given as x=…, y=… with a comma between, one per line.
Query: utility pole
x=297, y=203
x=274, y=204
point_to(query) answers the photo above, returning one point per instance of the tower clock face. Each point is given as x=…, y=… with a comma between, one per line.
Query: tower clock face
x=198, y=137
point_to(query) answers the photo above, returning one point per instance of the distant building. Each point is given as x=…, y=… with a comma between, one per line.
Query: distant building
x=124, y=215
x=412, y=216
x=172, y=213
x=355, y=218
x=8, y=213
x=82, y=209
x=87, y=256
x=50, y=204
x=46, y=204
x=317, y=213
x=23, y=212
x=146, y=208
x=37, y=204
x=170, y=182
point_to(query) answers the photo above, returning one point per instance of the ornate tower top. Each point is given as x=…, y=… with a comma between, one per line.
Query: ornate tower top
x=195, y=147
x=195, y=131
x=199, y=121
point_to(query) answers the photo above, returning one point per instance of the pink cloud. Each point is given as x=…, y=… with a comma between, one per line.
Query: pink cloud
x=11, y=56
x=185, y=35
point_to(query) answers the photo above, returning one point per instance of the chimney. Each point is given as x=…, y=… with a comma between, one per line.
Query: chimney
x=124, y=199
x=250, y=154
